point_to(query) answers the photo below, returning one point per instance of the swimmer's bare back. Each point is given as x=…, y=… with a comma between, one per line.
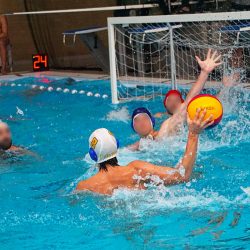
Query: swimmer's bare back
x=105, y=182
x=21, y=152
x=13, y=149
x=18, y=150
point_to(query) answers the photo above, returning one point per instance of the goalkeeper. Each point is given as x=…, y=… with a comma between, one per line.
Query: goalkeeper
x=175, y=105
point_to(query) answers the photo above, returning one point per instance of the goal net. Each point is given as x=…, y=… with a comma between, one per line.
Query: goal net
x=151, y=54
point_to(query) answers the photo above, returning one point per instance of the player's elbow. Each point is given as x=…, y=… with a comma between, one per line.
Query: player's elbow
x=183, y=178
x=177, y=179
x=186, y=178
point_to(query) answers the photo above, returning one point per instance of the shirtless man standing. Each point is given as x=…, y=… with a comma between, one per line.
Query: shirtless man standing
x=103, y=150
x=4, y=41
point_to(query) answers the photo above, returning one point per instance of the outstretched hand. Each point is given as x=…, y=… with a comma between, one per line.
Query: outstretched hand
x=211, y=62
x=231, y=80
x=198, y=124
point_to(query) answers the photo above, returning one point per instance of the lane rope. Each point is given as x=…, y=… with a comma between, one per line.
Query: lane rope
x=58, y=89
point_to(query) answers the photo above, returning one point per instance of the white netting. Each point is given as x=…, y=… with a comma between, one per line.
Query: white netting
x=151, y=57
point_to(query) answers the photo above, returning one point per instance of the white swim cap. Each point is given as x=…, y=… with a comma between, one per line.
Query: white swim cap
x=102, y=145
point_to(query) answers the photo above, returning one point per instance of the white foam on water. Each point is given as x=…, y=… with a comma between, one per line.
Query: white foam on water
x=121, y=115
x=139, y=202
x=19, y=111
x=126, y=156
x=234, y=129
x=246, y=190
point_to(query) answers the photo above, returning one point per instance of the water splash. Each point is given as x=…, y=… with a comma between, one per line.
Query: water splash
x=139, y=202
x=246, y=190
x=119, y=115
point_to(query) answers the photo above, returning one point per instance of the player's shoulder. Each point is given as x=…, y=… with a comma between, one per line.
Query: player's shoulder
x=138, y=164
x=183, y=107
x=81, y=185
x=84, y=185
x=135, y=163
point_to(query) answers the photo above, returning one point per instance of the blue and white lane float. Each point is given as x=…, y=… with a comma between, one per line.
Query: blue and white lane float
x=58, y=89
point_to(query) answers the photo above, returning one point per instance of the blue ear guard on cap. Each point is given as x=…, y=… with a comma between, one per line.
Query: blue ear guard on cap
x=142, y=110
x=117, y=143
x=93, y=154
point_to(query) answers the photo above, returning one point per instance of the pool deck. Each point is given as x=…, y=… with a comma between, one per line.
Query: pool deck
x=57, y=73
x=98, y=75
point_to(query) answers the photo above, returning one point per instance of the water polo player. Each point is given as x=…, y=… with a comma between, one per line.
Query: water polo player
x=176, y=106
x=103, y=147
x=173, y=99
x=142, y=122
x=6, y=138
x=6, y=145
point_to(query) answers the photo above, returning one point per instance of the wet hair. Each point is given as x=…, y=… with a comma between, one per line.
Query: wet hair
x=112, y=162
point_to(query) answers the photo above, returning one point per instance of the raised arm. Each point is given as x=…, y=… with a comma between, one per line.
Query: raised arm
x=228, y=81
x=207, y=66
x=170, y=126
x=196, y=126
x=184, y=169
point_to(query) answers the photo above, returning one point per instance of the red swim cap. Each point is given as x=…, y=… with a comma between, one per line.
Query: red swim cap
x=172, y=92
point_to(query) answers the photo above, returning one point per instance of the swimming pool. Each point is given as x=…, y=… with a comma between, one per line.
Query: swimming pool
x=39, y=211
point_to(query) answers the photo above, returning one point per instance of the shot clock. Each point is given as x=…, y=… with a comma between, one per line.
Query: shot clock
x=40, y=62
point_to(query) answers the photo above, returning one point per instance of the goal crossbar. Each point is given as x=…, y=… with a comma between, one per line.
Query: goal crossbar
x=220, y=16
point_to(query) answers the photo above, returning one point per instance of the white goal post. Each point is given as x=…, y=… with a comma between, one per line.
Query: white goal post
x=149, y=53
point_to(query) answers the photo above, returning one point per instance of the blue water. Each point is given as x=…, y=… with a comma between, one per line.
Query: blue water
x=39, y=211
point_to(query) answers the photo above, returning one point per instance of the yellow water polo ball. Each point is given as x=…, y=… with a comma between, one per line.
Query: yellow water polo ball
x=208, y=102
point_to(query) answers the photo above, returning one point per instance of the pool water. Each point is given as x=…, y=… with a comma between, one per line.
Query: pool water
x=38, y=209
